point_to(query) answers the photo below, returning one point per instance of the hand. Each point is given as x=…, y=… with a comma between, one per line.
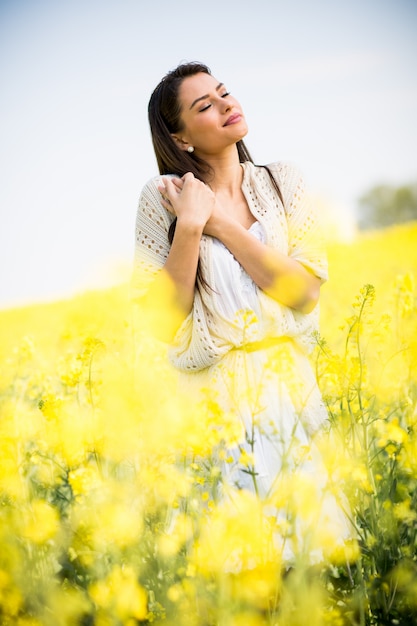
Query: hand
x=218, y=219
x=191, y=200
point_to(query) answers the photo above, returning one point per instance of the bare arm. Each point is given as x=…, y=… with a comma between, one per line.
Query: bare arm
x=192, y=202
x=281, y=277
x=170, y=297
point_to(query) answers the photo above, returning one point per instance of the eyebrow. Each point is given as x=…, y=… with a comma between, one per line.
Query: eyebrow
x=205, y=96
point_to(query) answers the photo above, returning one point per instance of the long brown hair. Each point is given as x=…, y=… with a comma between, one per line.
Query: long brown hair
x=164, y=114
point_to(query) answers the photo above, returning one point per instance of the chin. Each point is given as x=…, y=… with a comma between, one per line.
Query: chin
x=243, y=134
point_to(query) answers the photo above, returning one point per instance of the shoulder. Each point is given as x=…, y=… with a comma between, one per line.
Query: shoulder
x=286, y=172
x=290, y=181
x=150, y=196
x=150, y=212
x=150, y=189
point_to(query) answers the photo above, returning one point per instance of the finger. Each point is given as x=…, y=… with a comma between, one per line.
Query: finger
x=167, y=205
x=170, y=188
x=167, y=181
x=163, y=191
x=162, y=182
x=178, y=182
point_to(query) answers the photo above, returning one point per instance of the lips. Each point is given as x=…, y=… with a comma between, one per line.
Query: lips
x=233, y=119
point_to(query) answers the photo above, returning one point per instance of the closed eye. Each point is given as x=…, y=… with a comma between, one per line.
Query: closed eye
x=208, y=105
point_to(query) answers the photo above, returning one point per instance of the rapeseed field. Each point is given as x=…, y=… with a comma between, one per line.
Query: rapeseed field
x=109, y=506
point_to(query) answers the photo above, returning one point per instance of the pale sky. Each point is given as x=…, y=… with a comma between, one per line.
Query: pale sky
x=330, y=86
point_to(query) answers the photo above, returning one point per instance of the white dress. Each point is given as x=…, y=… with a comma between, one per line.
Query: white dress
x=247, y=353
x=267, y=386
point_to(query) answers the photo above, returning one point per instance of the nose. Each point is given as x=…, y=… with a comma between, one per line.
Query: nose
x=226, y=105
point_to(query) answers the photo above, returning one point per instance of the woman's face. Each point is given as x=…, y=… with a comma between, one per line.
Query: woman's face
x=212, y=119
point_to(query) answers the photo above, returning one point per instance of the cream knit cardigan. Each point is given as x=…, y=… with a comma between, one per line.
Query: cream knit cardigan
x=205, y=336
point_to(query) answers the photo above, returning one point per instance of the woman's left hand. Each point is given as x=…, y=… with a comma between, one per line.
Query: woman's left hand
x=190, y=199
x=179, y=183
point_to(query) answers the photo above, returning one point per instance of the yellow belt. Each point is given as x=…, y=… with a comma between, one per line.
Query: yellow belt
x=263, y=344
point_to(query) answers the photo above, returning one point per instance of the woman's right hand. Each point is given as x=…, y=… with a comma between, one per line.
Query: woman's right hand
x=189, y=199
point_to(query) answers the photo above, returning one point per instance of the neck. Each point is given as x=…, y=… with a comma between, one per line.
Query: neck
x=227, y=171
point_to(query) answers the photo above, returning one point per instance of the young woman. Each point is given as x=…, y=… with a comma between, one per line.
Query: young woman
x=228, y=257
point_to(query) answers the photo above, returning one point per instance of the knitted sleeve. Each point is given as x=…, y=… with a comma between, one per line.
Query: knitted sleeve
x=305, y=238
x=151, y=245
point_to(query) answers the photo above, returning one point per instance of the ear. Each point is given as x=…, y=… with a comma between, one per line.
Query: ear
x=181, y=143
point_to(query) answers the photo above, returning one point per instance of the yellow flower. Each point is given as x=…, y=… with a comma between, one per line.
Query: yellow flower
x=174, y=593
x=404, y=512
x=109, y=518
x=361, y=478
x=390, y=432
x=26, y=349
x=246, y=619
x=255, y=587
x=11, y=599
x=347, y=552
x=180, y=532
x=68, y=605
x=120, y=594
x=41, y=522
x=234, y=537
x=246, y=459
x=405, y=293
x=83, y=480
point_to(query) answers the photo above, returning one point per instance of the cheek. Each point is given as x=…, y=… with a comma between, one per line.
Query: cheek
x=203, y=125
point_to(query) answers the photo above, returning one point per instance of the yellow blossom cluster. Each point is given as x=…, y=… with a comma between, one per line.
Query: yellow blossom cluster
x=113, y=511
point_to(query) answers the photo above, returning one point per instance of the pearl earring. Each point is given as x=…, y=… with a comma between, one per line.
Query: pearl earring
x=190, y=149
